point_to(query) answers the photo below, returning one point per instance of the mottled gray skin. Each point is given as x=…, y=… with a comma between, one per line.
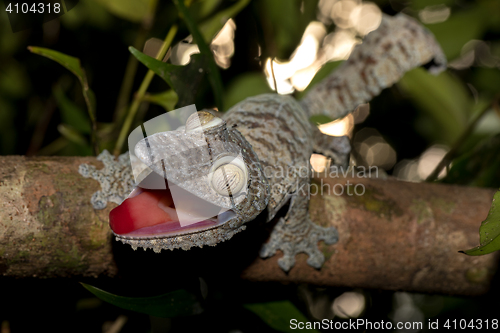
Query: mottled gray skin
x=398, y=45
x=279, y=131
x=273, y=134
x=116, y=179
x=278, y=140
x=192, y=179
x=275, y=139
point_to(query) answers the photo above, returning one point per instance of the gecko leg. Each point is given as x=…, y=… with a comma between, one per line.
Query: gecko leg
x=296, y=233
x=337, y=148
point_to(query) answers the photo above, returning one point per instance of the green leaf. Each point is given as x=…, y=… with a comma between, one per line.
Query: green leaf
x=489, y=232
x=421, y=4
x=54, y=147
x=167, y=99
x=71, y=134
x=285, y=22
x=278, y=315
x=213, y=71
x=210, y=27
x=246, y=85
x=205, y=7
x=458, y=29
x=486, y=80
x=477, y=167
x=184, y=80
x=132, y=10
x=443, y=99
x=89, y=13
x=320, y=119
x=14, y=82
x=73, y=65
x=286, y=32
x=106, y=128
x=71, y=113
x=8, y=133
x=173, y=304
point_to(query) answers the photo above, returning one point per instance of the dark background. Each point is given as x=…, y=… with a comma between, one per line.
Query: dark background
x=421, y=116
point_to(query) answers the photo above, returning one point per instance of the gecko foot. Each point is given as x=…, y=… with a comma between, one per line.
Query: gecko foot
x=300, y=240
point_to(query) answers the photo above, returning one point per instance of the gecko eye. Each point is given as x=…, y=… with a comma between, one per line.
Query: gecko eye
x=201, y=120
x=228, y=176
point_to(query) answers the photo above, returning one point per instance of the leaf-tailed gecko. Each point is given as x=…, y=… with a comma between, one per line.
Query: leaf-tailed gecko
x=276, y=139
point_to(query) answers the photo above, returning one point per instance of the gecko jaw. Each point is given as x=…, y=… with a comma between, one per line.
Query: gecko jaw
x=166, y=230
x=151, y=214
x=195, y=237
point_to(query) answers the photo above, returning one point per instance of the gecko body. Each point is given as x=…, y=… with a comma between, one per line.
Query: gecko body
x=278, y=129
x=271, y=137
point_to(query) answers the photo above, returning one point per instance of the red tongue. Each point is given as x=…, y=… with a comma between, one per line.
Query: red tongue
x=141, y=211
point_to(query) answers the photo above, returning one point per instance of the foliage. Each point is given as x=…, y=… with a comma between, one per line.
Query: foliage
x=489, y=231
x=174, y=304
x=278, y=315
x=478, y=167
x=184, y=80
x=213, y=71
x=73, y=64
x=421, y=110
x=132, y=10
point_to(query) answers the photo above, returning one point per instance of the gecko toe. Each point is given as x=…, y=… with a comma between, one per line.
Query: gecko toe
x=266, y=251
x=316, y=259
x=330, y=236
x=286, y=262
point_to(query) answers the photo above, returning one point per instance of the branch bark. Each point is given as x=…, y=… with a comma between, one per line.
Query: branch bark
x=396, y=235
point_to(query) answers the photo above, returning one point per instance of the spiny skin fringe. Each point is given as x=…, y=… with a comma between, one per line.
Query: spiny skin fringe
x=116, y=179
x=185, y=242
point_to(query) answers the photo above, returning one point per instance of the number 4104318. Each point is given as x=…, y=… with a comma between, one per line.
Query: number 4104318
x=35, y=8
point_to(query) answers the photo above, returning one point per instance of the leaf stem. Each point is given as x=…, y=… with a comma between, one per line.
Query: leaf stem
x=450, y=155
x=132, y=64
x=89, y=98
x=213, y=72
x=128, y=79
x=142, y=90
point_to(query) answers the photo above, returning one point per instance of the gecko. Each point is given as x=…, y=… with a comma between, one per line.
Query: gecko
x=271, y=139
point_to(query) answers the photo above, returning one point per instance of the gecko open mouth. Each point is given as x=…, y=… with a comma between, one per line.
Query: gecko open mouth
x=150, y=213
x=189, y=180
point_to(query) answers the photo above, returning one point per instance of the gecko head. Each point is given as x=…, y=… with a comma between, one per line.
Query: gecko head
x=197, y=185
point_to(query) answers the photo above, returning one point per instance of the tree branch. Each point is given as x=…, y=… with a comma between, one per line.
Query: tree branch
x=397, y=235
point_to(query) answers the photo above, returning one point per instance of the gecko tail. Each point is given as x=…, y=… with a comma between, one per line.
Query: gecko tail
x=398, y=45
